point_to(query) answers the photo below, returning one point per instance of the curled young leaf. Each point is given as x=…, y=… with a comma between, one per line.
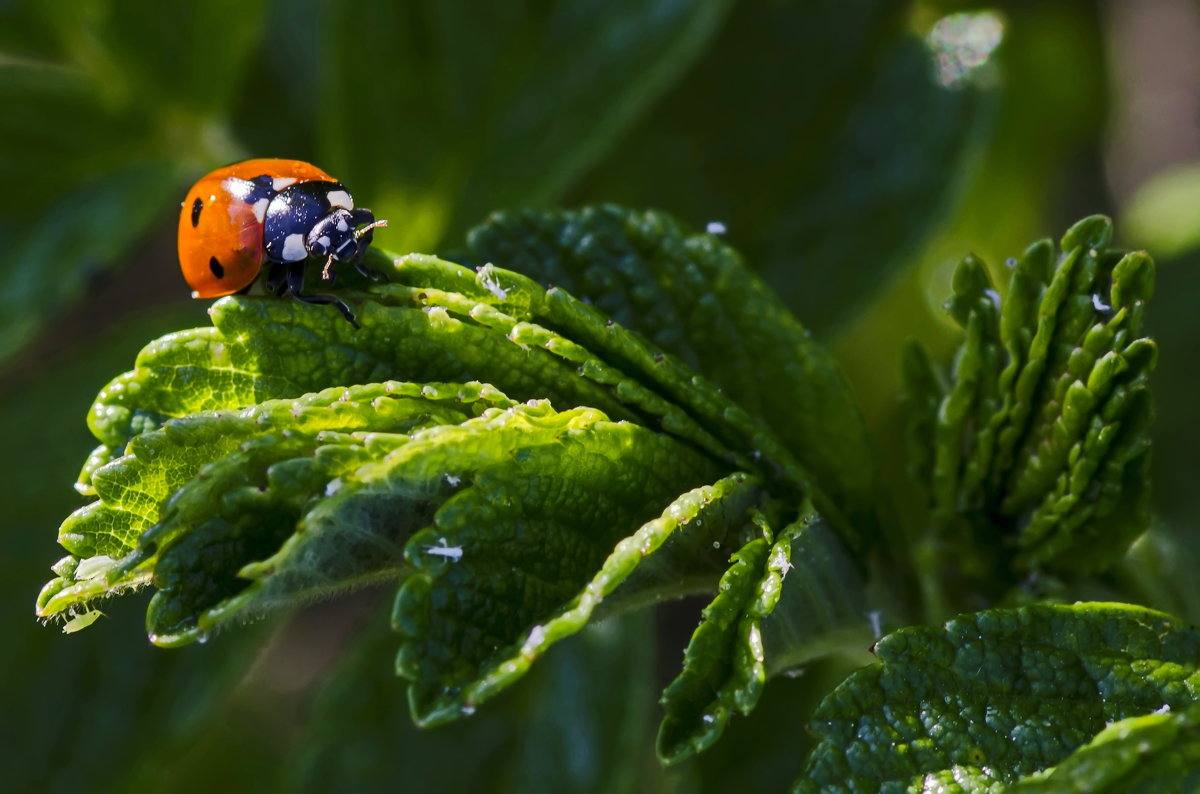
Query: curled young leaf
x=1038, y=447
x=790, y=596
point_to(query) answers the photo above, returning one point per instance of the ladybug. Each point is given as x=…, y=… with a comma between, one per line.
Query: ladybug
x=275, y=215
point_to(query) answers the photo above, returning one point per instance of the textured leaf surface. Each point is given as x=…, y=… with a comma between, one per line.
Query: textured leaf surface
x=693, y=296
x=996, y=696
x=133, y=517
x=790, y=595
x=517, y=460
x=1157, y=753
x=1038, y=441
x=459, y=650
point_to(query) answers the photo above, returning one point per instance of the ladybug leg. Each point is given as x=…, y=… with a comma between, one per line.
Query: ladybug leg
x=295, y=286
x=325, y=298
x=370, y=272
x=276, y=282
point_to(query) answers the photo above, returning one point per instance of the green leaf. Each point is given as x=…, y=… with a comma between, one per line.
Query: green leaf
x=262, y=463
x=692, y=295
x=458, y=651
x=261, y=468
x=159, y=462
x=263, y=349
x=1156, y=753
x=789, y=597
x=996, y=696
x=1040, y=442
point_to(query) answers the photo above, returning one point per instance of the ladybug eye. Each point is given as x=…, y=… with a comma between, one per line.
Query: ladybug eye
x=197, y=205
x=215, y=267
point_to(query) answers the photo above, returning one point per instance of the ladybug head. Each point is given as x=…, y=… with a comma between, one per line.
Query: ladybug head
x=342, y=234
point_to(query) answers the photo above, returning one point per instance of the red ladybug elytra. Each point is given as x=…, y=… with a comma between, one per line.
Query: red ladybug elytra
x=274, y=215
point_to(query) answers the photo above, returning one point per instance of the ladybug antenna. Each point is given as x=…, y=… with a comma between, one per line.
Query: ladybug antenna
x=360, y=231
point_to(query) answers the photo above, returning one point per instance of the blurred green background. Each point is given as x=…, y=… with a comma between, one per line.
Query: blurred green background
x=853, y=151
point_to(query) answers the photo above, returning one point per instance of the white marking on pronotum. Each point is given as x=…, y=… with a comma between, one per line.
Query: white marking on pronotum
x=342, y=225
x=453, y=553
x=715, y=227
x=260, y=209
x=280, y=182
x=1100, y=305
x=293, y=248
x=340, y=198
x=324, y=241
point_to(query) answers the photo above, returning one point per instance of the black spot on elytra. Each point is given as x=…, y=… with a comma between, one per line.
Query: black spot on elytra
x=197, y=205
x=216, y=268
